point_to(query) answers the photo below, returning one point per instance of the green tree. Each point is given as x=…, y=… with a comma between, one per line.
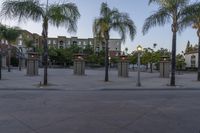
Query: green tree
x=88, y=50
x=180, y=62
x=65, y=14
x=169, y=10
x=112, y=19
x=192, y=17
x=132, y=58
x=148, y=57
x=11, y=34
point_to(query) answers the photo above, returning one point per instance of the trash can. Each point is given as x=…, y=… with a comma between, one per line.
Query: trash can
x=123, y=66
x=79, y=64
x=164, y=67
x=32, y=64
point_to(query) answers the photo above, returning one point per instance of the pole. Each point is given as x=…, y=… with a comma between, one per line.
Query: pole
x=138, y=79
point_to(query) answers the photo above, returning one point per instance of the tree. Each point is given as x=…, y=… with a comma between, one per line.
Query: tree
x=11, y=34
x=192, y=17
x=169, y=10
x=148, y=57
x=112, y=19
x=180, y=62
x=29, y=43
x=65, y=14
x=2, y=33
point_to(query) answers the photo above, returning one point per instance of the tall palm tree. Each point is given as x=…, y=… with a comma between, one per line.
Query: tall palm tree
x=11, y=34
x=2, y=33
x=59, y=14
x=169, y=10
x=192, y=17
x=112, y=19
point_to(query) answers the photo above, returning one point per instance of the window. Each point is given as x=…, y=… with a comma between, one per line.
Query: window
x=20, y=42
x=61, y=44
x=49, y=41
x=74, y=43
x=54, y=41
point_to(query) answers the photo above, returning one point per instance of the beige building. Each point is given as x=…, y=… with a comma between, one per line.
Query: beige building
x=65, y=42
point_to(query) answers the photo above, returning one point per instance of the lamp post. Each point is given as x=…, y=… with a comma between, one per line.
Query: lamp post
x=139, y=50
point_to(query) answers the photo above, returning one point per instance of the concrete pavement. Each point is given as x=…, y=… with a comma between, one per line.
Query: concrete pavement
x=100, y=111
x=93, y=80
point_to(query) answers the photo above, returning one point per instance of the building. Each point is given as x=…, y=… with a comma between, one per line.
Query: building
x=65, y=42
x=191, y=56
x=59, y=42
x=191, y=59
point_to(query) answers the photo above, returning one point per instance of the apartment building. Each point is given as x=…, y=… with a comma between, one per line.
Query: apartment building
x=65, y=42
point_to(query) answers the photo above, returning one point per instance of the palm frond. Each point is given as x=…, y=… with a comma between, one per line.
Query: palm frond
x=22, y=9
x=65, y=14
x=112, y=19
x=158, y=18
x=105, y=10
x=122, y=23
x=191, y=16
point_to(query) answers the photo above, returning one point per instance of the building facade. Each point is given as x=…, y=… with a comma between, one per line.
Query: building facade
x=65, y=42
x=191, y=56
x=191, y=60
x=23, y=47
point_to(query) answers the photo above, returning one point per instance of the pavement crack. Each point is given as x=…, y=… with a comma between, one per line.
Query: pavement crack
x=23, y=123
x=164, y=102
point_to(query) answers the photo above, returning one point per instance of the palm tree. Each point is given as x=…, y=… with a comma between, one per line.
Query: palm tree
x=11, y=35
x=192, y=17
x=169, y=10
x=2, y=33
x=112, y=19
x=64, y=14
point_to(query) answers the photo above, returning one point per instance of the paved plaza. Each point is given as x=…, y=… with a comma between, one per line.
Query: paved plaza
x=93, y=80
x=86, y=104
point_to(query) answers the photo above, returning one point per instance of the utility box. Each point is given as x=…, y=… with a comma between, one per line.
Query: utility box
x=164, y=67
x=79, y=64
x=32, y=64
x=123, y=66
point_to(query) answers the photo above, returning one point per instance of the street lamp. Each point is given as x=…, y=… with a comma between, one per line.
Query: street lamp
x=139, y=50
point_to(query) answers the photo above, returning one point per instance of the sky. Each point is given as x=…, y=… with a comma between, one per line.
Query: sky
x=138, y=10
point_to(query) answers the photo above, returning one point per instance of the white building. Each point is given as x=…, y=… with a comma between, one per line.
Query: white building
x=191, y=60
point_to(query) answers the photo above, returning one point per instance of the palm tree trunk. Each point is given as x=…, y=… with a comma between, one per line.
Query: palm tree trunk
x=106, y=61
x=173, y=61
x=0, y=63
x=45, y=54
x=9, y=54
x=198, y=75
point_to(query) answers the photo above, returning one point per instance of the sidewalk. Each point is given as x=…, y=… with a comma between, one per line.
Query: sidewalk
x=93, y=80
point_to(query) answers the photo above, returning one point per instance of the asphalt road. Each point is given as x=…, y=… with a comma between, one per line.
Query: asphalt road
x=58, y=111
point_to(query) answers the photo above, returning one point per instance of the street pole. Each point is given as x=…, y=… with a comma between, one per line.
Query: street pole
x=138, y=78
